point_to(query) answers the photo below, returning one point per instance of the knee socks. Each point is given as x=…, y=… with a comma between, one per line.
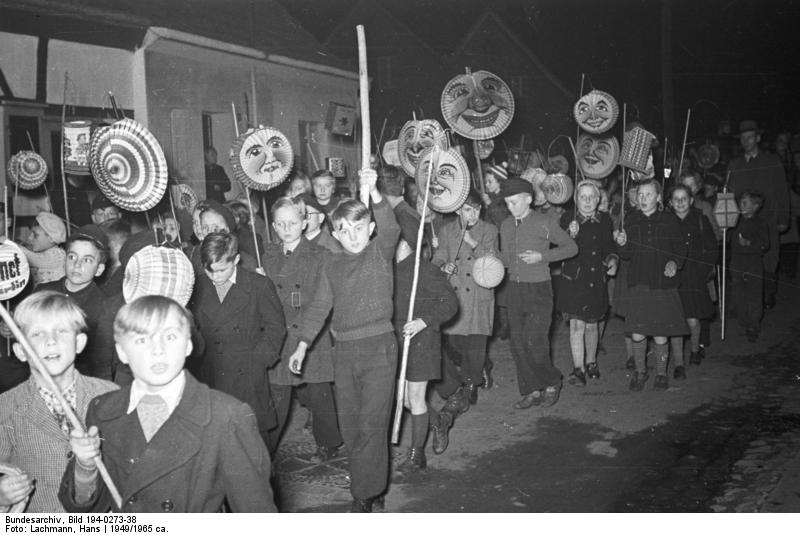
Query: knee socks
x=419, y=430
x=661, y=353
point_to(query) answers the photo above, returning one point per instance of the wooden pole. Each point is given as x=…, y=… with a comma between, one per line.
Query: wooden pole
x=50, y=384
x=722, y=294
x=577, y=136
x=63, y=173
x=685, y=136
x=363, y=84
x=401, y=381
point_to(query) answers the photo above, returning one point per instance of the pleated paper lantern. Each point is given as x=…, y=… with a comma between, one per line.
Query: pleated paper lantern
x=597, y=155
x=450, y=179
x=636, y=144
x=557, y=188
x=14, y=270
x=128, y=165
x=479, y=105
x=596, y=112
x=488, y=271
x=27, y=170
x=707, y=156
x=159, y=271
x=261, y=158
x=415, y=138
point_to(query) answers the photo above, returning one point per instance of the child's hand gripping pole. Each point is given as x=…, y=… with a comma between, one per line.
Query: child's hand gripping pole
x=36, y=361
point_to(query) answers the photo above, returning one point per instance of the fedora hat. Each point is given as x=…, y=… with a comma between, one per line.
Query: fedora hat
x=748, y=125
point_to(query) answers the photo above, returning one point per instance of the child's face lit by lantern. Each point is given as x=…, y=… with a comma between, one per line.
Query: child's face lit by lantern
x=492, y=184
x=478, y=105
x=588, y=199
x=596, y=112
x=597, y=156
x=266, y=156
x=681, y=202
x=648, y=197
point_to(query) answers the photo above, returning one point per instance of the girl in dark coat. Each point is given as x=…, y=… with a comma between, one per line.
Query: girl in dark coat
x=435, y=303
x=582, y=295
x=701, y=244
x=652, y=241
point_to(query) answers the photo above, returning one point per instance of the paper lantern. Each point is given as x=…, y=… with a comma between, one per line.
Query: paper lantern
x=559, y=164
x=726, y=211
x=636, y=144
x=390, y=153
x=261, y=158
x=478, y=105
x=450, y=179
x=27, y=170
x=488, y=271
x=128, y=165
x=596, y=112
x=14, y=270
x=557, y=188
x=159, y=271
x=707, y=156
x=518, y=160
x=335, y=166
x=597, y=155
x=415, y=138
x=186, y=197
x=77, y=143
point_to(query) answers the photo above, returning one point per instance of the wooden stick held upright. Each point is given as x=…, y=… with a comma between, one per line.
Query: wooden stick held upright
x=685, y=135
x=63, y=173
x=401, y=380
x=363, y=93
x=51, y=385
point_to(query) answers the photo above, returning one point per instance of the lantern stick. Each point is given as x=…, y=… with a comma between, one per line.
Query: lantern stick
x=253, y=227
x=578, y=133
x=685, y=135
x=401, y=381
x=63, y=173
x=266, y=217
x=174, y=215
x=50, y=384
x=235, y=121
x=363, y=81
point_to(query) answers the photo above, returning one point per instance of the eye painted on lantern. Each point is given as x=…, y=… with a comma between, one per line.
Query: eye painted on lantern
x=447, y=171
x=275, y=143
x=254, y=151
x=491, y=84
x=458, y=91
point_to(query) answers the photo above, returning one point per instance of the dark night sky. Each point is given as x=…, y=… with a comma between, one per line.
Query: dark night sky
x=731, y=58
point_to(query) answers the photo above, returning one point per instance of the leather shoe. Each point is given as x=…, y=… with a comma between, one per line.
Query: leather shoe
x=488, y=380
x=529, y=400
x=361, y=506
x=550, y=396
x=440, y=428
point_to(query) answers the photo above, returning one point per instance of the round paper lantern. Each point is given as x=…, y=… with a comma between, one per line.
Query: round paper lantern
x=27, y=170
x=449, y=183
x=559, y=164
x=596, y=112
x=597, y=155
x=557, y=188
x=415, y=138
x=261, y=158
x=128, y=165
x=479, y=105
x=159, y=271
x=186, y=197
x=488, y=271
x=707, y=156
x=14, y=270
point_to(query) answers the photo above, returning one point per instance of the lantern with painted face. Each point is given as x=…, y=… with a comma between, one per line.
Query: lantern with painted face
x=597, y=155
x=416, y=137
x=449, y=184
x=596, y=112
x=478, y=105
x=261, y=158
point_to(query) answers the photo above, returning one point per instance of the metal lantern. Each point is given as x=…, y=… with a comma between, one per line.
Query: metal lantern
x=518, y=160
x=726, y=211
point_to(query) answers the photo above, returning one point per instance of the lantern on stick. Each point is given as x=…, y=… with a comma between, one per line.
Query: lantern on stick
x=726, y=213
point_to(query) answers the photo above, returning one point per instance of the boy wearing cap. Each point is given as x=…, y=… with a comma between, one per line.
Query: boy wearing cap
x=87, y=251
x=44, y=255
x=315, y=231
x=527, y=238
x=104, y=210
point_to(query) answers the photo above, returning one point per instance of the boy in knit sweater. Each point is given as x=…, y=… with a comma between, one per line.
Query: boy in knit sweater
x=44, y=255
x=358, y=285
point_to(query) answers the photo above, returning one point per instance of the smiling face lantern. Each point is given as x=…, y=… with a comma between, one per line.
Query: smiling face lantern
x=597, y=155
x=449, y=184
x=596, y=112
x=261, y=158
x=415, y=137
x=478, y=105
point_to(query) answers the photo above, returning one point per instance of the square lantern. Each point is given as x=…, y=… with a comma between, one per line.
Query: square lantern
x=518, y=160
x=726, y=211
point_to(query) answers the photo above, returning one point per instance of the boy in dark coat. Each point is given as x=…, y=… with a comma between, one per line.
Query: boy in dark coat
x=170, y=443
x=357, y=284
x=749, y=242
x=241, y=320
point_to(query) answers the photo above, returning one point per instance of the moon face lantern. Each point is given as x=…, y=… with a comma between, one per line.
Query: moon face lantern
x=449, y=184
x=478, y=105
x=596, y=112
x=261, y=158
x=416, y=137
x=597, y=155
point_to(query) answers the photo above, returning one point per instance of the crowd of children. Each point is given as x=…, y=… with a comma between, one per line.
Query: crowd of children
x=187, y=405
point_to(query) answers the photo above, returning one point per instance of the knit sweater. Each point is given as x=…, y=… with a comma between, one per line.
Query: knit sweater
x=536, y=232
x=357, y=286
x=47, y=265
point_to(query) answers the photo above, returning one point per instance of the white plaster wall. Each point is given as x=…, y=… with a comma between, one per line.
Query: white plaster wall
x=93, y=71
x=18, y=60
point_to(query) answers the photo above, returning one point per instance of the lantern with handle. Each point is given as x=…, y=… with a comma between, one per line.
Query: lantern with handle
x=726, y=213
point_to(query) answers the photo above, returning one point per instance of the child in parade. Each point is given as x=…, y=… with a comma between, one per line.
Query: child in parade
x=651, y=239
x=316, y=231
x=294, y=265
x=701, y=246
x=435, y=303
x=324, y=185
x=496, y=212
x=34, y=429
x=45, y=257
x=530, y=241
x=357, y=285
x=582, y=294
x=170, y=443
x=749, y=241
x=241, y=319
x=619, y=297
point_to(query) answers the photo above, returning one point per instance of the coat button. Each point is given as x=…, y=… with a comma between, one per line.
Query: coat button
x=294, y=326
x=467, y=274
x=167, y=505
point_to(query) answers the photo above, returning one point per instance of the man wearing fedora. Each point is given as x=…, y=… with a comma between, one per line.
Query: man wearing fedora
x=761, y=171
